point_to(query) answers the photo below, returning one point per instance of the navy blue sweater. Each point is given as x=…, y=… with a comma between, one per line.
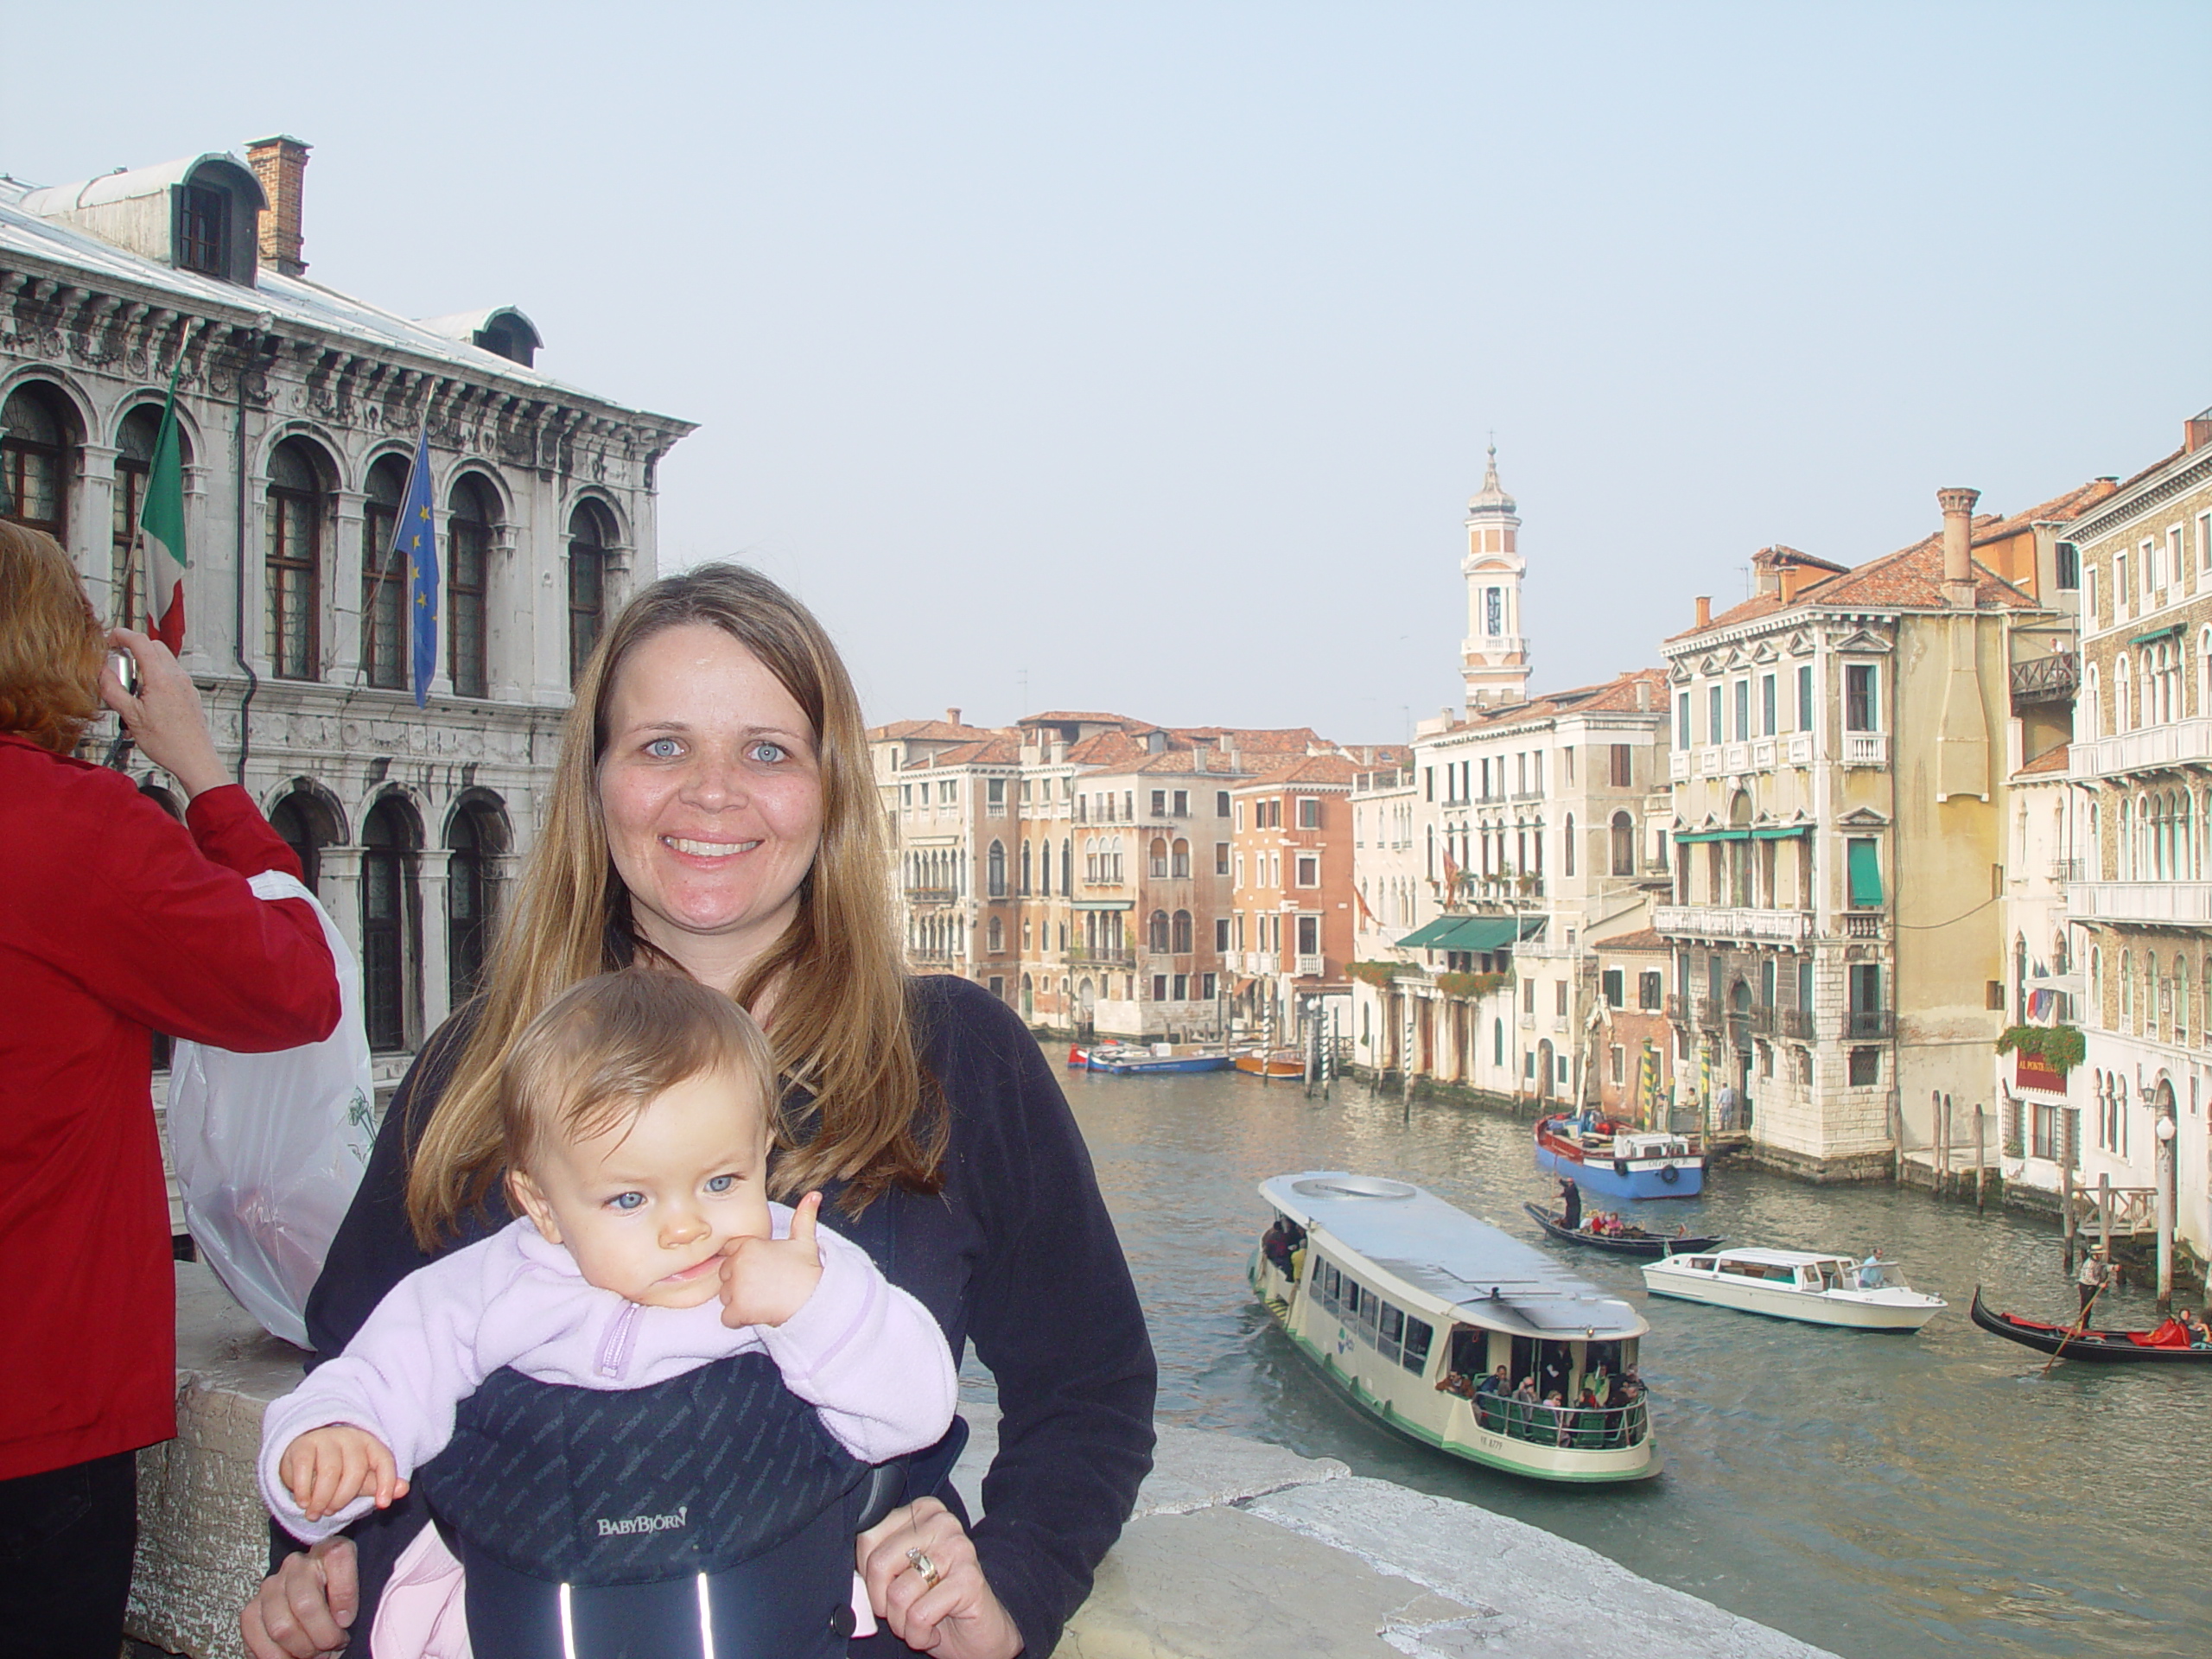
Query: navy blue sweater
x=1016, y=1255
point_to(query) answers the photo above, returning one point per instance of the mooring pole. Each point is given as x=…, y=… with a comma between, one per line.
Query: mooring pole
x=1981, y=1160
x=2066, y=1212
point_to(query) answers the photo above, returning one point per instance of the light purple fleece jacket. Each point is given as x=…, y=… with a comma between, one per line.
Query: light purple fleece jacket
x=865, y=1354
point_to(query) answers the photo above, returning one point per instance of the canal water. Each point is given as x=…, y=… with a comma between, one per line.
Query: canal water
x=1875, y=1495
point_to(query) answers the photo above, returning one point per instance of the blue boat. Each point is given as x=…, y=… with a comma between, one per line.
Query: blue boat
x=1139, y=1063
x=1600, y=1156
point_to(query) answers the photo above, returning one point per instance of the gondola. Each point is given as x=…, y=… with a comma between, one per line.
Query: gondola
x=2104, y=1346
x=1632, y=1241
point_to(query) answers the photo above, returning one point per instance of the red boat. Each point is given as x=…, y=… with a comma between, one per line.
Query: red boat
x=2167, y=1343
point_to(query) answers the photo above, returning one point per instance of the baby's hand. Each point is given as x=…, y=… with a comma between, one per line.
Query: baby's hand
x=325, y=1469
x=766, y=1280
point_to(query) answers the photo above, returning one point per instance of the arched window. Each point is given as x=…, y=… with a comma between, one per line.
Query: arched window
x=390, y=916
x=1156, y=932
x=995, y=936
x=1497, y=1042
x=1179, y=861
x=37, y=453
x=2179, y=1013
x=2092, y=705
x=1181, y=943
x=995, y=871
x=476, y=837
x=1067, y=865
x=1156, y=856
x=384, y=577
x=1026, y=861
x=292, y=546
x=2127, y=990
x=2122, y=720
x=2097, y=983
x=591, y=537
x=2126, y=849
x=474, y=513
x=1566, y=848
x=134, y=462
x=306, y=825
x=1090, y=859
x=1623, y=845
x=1114, y=859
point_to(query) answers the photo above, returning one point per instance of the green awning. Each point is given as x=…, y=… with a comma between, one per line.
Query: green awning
x=2155, y=634
x=1472, y=932
x=1712, y=835
x=1864, y=869
x=1782, y=834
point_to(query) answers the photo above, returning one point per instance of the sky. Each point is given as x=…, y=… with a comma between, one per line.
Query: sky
x=1142, y=357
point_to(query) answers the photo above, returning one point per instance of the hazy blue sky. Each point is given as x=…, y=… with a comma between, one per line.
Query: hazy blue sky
x=1148, y=351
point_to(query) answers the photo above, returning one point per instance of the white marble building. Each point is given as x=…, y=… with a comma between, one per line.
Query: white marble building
x=300, y=408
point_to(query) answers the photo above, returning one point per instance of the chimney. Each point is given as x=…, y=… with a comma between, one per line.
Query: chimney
x=280, y=163
x=1642, y=695
x=2196, y=432
x=1705, y=610
x=1198, y=757
x=1958, y=535
x=952, y=717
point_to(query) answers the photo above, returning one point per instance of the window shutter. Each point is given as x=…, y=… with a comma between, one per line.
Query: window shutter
x=1865, y=875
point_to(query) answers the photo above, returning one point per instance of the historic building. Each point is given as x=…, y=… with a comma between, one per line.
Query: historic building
x=300, y=409
x=1291, y=930
x=1840, y=763
x=1494, y=656
x=2139, y=872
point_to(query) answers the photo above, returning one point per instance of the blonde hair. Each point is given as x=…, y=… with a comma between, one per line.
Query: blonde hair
x=51, y=644
x=839, y=1023
x=606, y=1049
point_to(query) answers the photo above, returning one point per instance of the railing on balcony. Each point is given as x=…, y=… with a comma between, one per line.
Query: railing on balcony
x=1800, y=747
x=1800, y=1024
x=932, y=895
x=1678, y=765
x=1708, y=763
x=2052, y=677
x=1758, y=1017
x=1866, y=749
x=1763, y=754
x=2070, y=870
x=2139, y=901
x=1862, y=924
x=1863, y=1023
x=1678, y=1007
x=1308, y=967
x=1733, y=922
x=1736, y=757
x=1086, y=956
x=2172, y=744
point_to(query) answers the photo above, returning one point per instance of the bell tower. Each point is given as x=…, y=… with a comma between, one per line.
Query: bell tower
x=1493, y=658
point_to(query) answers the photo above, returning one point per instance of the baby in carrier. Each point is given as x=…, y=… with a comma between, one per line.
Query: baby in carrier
x=540, y=1373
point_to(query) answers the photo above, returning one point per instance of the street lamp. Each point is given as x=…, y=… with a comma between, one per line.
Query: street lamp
x=2159, y=1099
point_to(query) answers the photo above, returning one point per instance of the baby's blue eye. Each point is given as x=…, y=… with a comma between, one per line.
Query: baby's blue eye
x=722, y=1184
x=625, y=1200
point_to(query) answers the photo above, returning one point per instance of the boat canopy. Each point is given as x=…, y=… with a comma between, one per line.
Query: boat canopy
x=1445, y=1261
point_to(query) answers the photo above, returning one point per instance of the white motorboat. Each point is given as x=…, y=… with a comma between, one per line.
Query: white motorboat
x=1796, y=1285
x=1411, y=1306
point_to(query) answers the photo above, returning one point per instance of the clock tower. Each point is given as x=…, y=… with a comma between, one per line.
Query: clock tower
x=1494, y=657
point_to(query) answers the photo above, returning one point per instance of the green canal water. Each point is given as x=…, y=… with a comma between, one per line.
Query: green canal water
x=1875, y=1495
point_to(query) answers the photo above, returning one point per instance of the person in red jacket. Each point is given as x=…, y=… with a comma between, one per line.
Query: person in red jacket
x=115, y=922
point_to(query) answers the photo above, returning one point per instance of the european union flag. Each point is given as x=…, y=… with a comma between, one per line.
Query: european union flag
x=416, y=536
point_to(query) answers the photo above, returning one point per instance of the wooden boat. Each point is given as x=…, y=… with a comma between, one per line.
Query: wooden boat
x=2166, y=1344
x=1079, y=1056
x=1630, y=1241
x=1802, y=1285
x=1619, y=1162
x=1405, y=1304
x=1280, y=1062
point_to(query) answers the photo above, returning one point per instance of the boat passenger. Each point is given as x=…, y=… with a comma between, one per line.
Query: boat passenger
x=1275, y=1246
x=1561, y=1420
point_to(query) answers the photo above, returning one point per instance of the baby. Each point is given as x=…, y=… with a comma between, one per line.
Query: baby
x=634, y=1112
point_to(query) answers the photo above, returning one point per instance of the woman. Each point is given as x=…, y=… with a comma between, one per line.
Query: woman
x=114, y=922
x=713, y=811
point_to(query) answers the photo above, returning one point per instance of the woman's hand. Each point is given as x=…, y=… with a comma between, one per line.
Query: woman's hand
x=164, y=719
x=957, y=1616
x=305, y=1606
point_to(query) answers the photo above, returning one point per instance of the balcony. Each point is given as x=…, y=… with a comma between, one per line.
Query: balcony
x=1800, y=1024
x=1864, y=1023
x=2178, y=743
x=2150, y=902
x=1708, y=763
x=1082, y=957
x=1678, y=1009
x=1762, y=754
x=1718, y=922
x=1757, y=1018
x=2052, y=677
x=1309, y=967
x=2063, y=870
x=1798, y=749
x=1678, y=765
x=932, y=895
x=1863, y=924
x=1866, y=749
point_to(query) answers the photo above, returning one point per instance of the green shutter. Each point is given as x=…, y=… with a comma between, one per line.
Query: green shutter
x=1866, y=868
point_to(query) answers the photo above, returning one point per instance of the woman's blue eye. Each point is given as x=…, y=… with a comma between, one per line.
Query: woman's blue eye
x=770, y=751
x=722, y=1184
x=625, y=1200
x=662, y=748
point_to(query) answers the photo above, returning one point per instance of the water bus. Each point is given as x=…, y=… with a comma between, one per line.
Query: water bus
x=1411, y=1308
x=1796, y=1285
x=1619, y=1162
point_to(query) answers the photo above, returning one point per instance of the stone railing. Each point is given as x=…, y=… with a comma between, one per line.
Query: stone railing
x=1732, y=922
x=2139, y=901
x=2175, y=743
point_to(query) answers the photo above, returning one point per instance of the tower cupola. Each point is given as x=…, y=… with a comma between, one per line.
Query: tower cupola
x=1494, y=656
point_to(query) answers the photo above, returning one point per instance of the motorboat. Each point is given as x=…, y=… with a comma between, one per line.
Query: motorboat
x=2167, y=1343
x=1133, y=1061
x=1275, y=1063
x=1621, y=1238
x=1619, y=1160
x=1410, y=1308
x=1803, y=1285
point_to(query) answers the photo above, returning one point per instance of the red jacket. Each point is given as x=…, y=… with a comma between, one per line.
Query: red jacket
x=113, y=925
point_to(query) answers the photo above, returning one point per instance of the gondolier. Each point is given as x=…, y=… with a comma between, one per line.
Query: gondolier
x=1570, y=1195
x=2094, y=1279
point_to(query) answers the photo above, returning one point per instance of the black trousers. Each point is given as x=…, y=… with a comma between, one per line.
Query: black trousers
x=65, y=1542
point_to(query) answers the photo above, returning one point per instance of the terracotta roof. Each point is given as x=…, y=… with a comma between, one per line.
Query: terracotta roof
x=2050, y=761
x=929, y=730
x=1909, y=579
x=995, y=751
x=1617, y=693
x=2057, y=510
x=1779, y=556
x=1645, y=939
x=1313, y=769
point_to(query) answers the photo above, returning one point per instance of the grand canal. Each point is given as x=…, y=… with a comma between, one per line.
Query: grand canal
x=1878, y=1496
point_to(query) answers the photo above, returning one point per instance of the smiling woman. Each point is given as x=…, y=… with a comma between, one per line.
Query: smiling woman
x=713, y=814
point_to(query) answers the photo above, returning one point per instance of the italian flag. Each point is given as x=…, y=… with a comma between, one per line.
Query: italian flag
x=161, y=534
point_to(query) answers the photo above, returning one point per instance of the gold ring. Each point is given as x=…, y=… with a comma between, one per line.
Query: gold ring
x=925, y=1566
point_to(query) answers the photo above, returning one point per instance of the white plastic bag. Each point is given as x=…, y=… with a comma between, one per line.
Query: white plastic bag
x=268, y=1148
